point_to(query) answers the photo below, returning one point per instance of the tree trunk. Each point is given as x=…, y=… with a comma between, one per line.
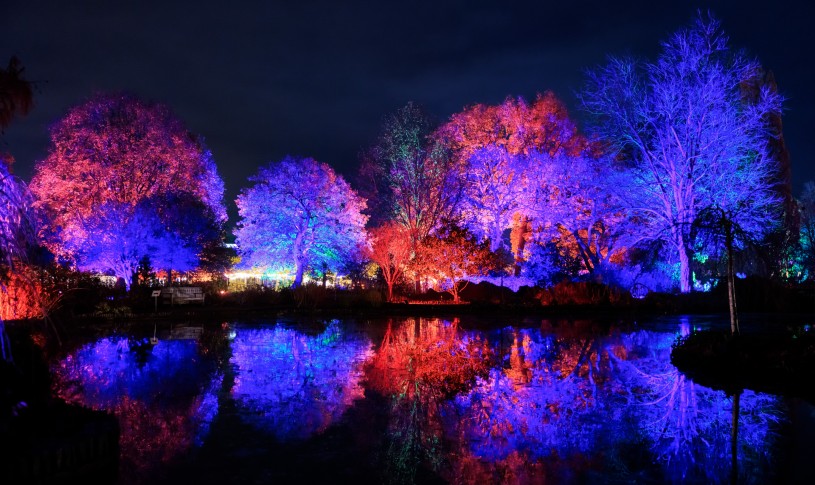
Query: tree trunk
x=731, y=278
x=684, y=270
x=390, y=291
x=298, y=273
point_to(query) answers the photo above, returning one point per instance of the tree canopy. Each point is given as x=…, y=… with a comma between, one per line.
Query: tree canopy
x=688, y=137
x=299, y=214
x=116, y=162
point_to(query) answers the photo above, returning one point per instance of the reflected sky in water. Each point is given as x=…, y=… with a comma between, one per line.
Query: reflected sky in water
x=560, y=402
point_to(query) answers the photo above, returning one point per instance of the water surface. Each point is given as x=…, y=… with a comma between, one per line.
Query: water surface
x=430, y=400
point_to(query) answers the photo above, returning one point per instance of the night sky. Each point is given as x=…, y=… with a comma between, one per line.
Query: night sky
x=316, y=78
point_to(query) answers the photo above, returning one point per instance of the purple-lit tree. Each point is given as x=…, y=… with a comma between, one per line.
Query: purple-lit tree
x=688, y=137
x=505, y=152
x=119, y=154
x=580, y=203
x=497, y=188
x=142, y=230
x=299, y=213
x=16, y=229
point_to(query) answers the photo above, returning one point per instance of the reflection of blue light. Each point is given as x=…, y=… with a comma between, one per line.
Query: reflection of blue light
x=114, y=367
x=103, y=373
x=293, y=384
x=625, y=390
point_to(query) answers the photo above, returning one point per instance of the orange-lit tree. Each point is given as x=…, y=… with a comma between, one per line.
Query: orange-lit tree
x=446, y=259
x=391, y=250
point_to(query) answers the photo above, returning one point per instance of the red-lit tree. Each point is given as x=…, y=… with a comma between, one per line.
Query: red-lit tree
x=299, y=213
x=112, y=153
x=446, y=259
x=391, y=250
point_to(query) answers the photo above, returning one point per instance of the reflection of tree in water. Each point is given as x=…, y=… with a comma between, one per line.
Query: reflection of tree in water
x=293, y=384
x=420, y=364
x=688, y=425
x=565, y=407
x=163, y=395
x=548, y=400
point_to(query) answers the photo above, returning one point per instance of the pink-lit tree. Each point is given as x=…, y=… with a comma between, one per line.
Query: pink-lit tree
x=689, y=137
x=108, y=156
x=299, y=213
x=391, y=250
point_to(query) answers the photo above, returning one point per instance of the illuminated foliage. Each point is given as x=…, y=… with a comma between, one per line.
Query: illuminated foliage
x=16, y=228
x=446, y=259
x=410, y=175
x=689, y=137
x=141, y=231
x=506, y=151
x=516, y=126
x=391, y=250
x=299, y=213
x=117, y=162
x=590, y=229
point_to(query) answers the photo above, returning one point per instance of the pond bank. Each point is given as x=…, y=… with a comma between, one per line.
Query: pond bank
x=771, y=362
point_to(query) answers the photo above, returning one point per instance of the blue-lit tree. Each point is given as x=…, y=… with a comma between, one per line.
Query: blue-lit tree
x=16, y=228
x=298, y=214
x=688, y=137
x=170, y=230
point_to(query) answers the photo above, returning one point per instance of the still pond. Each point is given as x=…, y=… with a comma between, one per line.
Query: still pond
x=431, y=401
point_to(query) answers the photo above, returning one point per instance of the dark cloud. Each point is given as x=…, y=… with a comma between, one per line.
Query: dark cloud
x=315, y=78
